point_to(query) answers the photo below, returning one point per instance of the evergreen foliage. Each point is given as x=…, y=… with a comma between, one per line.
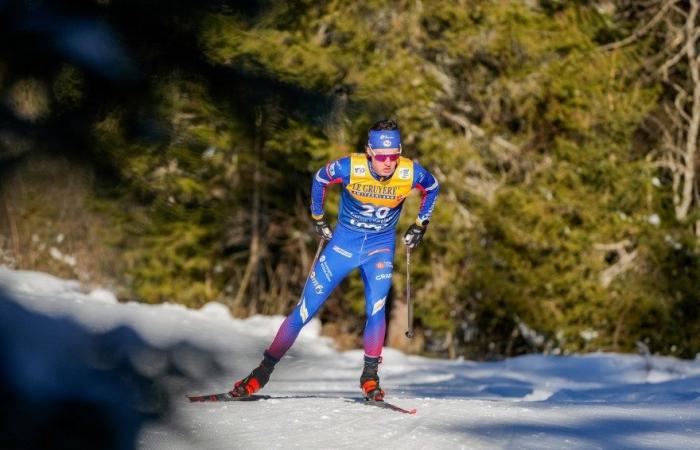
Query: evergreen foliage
x=553, y=232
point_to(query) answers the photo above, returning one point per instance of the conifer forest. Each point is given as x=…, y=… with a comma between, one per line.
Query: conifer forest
x=165, y=151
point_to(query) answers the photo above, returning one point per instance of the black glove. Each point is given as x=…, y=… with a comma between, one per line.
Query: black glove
x=414, y=235
x=323, y=229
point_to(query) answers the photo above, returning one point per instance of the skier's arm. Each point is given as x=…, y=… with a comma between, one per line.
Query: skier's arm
x=425, y=182
x=429, y=187
x=334, y=172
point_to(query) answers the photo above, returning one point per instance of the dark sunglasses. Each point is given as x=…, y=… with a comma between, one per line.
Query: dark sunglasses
x=382, y=158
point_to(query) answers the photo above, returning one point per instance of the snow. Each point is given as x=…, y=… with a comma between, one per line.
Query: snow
x=598, y=400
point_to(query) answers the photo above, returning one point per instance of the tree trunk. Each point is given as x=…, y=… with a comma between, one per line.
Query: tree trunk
x=691, y=141
x=13, y=230
x=239, y=304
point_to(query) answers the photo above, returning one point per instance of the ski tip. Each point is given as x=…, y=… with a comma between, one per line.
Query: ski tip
x=391, y=406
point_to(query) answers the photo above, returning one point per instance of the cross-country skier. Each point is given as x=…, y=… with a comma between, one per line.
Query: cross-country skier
x=375, y=185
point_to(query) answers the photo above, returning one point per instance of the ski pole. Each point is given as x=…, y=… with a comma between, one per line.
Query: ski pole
x=313, y=263
x=318, y=252
x=409, y=332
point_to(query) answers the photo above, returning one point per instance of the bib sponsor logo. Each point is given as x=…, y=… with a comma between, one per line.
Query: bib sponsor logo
x=303, y=312
x=358, y=224
x=373, y=191
x=404, y=174
x=359, y=170
x=318, y=287
x=341, y=251
x=327, y=272
x=382, y=264
x=378, y=305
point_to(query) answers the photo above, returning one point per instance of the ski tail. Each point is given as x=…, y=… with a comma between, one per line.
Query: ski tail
x=225, y=397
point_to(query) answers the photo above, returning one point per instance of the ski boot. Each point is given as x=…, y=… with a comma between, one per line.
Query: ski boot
x=369, y=381
x=256, y=380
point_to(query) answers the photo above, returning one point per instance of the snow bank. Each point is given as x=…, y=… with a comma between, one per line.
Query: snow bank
x=598, y=400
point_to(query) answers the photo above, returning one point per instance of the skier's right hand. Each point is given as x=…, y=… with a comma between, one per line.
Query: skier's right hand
x=323, y=229
x=414, y=235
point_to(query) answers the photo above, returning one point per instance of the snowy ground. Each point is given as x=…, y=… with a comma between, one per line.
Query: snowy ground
x=532, y=402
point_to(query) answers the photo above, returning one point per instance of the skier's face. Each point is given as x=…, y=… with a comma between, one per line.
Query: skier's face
x=384, y=161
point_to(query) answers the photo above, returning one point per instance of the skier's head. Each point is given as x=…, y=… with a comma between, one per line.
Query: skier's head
x=384, y=147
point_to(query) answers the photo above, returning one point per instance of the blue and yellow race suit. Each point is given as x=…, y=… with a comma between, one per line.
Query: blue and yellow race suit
x=364, y=237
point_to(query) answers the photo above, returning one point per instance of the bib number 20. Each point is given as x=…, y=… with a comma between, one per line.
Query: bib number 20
x=371, y=211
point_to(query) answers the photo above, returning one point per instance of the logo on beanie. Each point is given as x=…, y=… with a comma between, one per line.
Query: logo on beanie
x=386, y=139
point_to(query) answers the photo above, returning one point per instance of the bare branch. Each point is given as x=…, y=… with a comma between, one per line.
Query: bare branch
x=471, y=129
x=641, y=31
x=678, y=56
x=685, y=199
x=462, y=121
x=624, y=263
x=616, y=246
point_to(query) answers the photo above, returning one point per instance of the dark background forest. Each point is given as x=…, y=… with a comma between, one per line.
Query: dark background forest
x=165, y=150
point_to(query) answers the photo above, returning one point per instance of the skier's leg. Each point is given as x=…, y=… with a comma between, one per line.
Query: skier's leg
x=376, y=274
x=328, y=271
x=332, y=266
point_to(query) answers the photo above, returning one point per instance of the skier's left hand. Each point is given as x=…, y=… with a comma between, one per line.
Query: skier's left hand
x=414, y=235
x=323, y=229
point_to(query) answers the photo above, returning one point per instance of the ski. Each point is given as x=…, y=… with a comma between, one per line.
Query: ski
x=386, y=405
x=226, y=397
